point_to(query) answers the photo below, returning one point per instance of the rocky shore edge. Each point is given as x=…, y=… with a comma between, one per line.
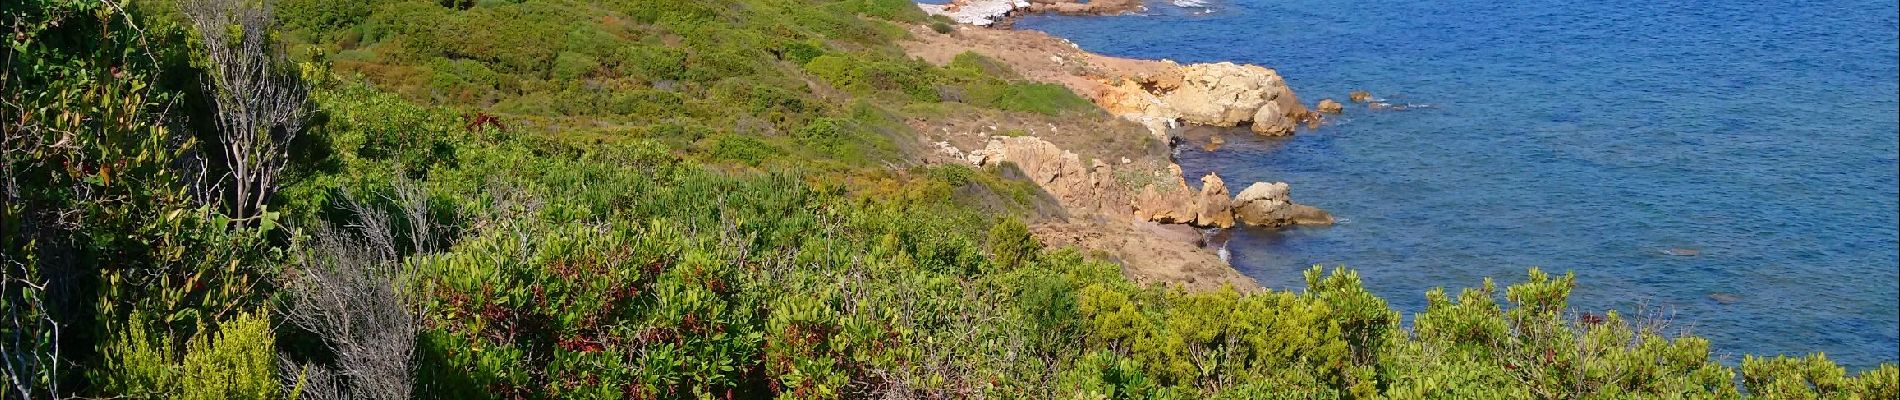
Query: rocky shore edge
x=1151, y=224
x=998, y=12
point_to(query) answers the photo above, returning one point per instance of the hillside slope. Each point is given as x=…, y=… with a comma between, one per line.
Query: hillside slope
x=655, y=199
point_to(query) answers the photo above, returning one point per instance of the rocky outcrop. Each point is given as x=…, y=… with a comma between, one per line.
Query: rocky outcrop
x=1149, y=253
x=1213, y=209
x=1092, y=187
x=1330, y=106
x=1219, y=94
x=1270, y=205
x=1168, y=202
x=1080, y=186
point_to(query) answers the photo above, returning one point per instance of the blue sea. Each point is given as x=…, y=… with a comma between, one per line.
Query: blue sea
x=1591, y=136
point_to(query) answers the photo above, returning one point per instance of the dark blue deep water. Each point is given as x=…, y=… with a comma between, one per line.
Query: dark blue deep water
x=1586, y=136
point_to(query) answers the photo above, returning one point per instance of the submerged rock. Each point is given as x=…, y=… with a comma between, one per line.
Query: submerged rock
x=1330, y=107
x=1359, y=96
x=1725, y=298
x=1682, y=252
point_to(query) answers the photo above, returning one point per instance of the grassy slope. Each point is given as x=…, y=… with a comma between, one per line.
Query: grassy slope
x=694, y=199
x=714, y=199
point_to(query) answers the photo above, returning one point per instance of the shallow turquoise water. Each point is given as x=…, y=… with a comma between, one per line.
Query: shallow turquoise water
x=1580, y=136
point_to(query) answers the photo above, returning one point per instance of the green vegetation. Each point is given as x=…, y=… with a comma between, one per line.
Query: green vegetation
x=656, y=199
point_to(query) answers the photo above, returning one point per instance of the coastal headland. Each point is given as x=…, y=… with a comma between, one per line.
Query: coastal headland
x=1113, y=172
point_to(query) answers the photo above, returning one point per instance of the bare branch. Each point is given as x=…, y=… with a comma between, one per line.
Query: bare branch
x=261, y=107
x=351, y=289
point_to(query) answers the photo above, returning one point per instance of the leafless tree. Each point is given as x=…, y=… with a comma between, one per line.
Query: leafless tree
x=351, y=289
x=29, y=345
x=260, y=105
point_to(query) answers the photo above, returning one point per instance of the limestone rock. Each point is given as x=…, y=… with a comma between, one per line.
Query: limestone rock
x=1169, y=202
x=1263, y=191
x=1301, y=214
x=1077, y=185
x=1214, y=208
x=1224, y=94
x=1272, y=121
x=1218, y=94
x=1269, y=205
x=1330, y=107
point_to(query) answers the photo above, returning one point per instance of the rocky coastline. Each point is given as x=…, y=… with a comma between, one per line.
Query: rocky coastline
x=999, y=12
x=1133, y=206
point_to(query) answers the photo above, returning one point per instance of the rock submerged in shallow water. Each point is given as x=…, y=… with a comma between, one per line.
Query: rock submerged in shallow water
x=1359, y=96
x=1330, y=106
x=1725, y=298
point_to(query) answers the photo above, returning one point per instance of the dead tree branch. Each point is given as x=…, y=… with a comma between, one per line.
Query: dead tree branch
x=261, y=106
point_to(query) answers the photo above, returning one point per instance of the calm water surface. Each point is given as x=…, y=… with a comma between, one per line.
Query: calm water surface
x=1580, y=136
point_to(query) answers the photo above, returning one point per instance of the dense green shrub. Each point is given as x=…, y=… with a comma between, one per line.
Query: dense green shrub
x=976, y=66
x=989, y=83
x=323, y=17
x=571, y=65
x=1040, y=98
x=1011, y=246
x=871, y=78
x=745, y=149
x=238, y=361
x=652, y=63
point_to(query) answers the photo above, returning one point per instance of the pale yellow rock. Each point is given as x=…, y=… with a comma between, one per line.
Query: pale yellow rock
x=1218, y=94
x=1269, y=205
